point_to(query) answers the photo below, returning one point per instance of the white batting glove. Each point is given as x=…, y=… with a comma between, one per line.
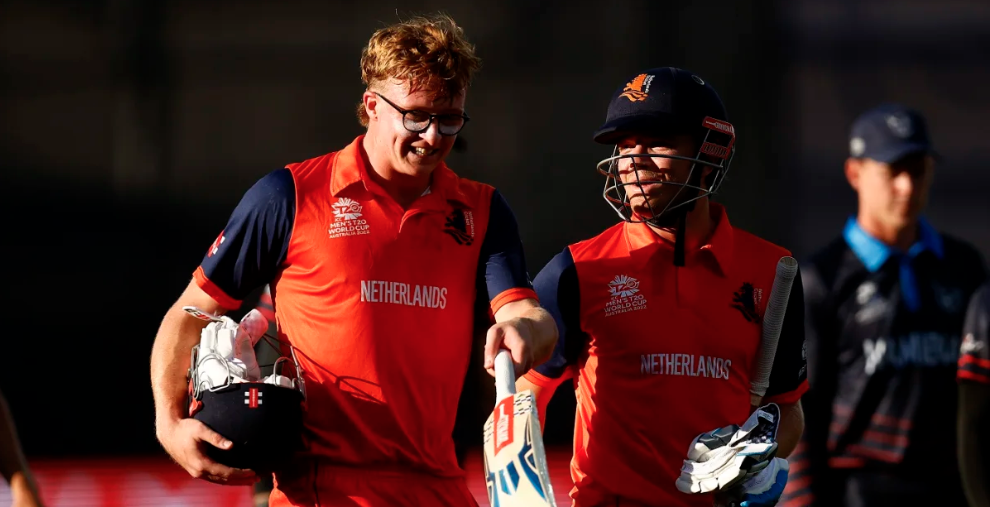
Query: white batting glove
x=728, y=456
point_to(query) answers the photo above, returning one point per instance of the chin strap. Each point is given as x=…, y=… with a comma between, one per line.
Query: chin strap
x=679, y=239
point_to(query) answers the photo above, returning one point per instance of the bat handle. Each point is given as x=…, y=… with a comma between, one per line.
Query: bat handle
x=505, y=375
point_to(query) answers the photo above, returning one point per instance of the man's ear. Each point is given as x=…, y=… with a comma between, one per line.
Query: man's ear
x=854, y=167
x=370, y=101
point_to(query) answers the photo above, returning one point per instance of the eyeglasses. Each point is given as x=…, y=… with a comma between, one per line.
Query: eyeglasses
x=418, y=121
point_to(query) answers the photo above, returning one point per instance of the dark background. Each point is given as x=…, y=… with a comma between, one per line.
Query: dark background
x=131, y=128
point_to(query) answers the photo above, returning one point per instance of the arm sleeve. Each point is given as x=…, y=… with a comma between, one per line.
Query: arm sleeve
x=557, y=287
x=789, y=374
x=974, y=399
x=502, y=257
x=250, y=250
x=808, y=483
x=974, y=353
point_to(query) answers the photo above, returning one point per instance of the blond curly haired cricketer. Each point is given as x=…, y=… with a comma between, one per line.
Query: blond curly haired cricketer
x=431, y=52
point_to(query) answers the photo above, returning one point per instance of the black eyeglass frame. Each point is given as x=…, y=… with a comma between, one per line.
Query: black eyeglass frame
x=429, y=121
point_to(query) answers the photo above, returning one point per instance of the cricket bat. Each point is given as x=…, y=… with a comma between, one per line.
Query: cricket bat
x=773, y=321
x=516, y=470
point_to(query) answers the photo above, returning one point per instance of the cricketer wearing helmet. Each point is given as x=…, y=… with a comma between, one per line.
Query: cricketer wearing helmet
x=377, y=256
x=660, y=318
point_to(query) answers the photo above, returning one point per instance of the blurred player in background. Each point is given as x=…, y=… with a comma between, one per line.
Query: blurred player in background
x=13, y=464
x=885, y=307
x=974, y=400
x=660, y=315
x=376, y=255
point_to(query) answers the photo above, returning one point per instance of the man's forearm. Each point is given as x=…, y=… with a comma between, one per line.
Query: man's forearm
x=544, y=333
x=177, y=335
x=790, y=429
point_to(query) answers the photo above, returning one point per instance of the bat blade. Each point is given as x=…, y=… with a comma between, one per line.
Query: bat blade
x=516, y=471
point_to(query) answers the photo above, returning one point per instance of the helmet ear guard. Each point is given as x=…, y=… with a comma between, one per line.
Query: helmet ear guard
x=262, y=418
x=719, y=144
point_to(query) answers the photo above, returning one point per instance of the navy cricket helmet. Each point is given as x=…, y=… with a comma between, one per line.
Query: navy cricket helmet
x=663, y=102
x=263, y=419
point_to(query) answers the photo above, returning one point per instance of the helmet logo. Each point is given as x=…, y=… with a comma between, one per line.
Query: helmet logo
x=638, y=89
x=252, y=397
x=698, y=80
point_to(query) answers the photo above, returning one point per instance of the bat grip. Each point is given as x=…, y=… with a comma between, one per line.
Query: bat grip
x=505, y=375
x=773, y=322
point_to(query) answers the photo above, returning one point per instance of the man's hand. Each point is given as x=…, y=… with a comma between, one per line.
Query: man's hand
x=515, y=335
x=762, y=490
x=22, y=492
x=524, y=329
x=184, y=441
x=738, y=463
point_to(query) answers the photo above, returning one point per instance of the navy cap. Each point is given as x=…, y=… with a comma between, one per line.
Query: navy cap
x=661, y=101
x=888, y=133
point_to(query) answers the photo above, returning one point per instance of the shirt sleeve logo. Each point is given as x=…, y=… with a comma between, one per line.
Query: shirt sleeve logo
x=746, y=299
x=460, y=226
x=970, y=346
x=215, y=247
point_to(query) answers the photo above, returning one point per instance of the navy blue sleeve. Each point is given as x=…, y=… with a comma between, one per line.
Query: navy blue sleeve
x=557, y=288
x=502, y=255
x=790, y=363
x=252, y=247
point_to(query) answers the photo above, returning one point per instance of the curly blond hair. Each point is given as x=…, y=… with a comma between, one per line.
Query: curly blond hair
x=431, y=52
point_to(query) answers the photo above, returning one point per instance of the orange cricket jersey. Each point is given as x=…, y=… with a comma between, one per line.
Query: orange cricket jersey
x=660, y=354
x=379, y=302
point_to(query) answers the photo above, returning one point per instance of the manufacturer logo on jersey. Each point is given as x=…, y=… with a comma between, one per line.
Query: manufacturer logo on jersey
x=638, y=89
x=746, y=300
x=460, y=226
x=625, y=296
x=865, y=292
x=215, y=247
x=872, y=306
x=347, y=219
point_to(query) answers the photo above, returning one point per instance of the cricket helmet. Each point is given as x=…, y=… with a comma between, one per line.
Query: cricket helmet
x=661, y=102
x=263, y=419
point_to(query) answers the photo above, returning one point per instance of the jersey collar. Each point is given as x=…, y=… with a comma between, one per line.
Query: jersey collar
x=873, y=253
x=350, y=169
x=643, y=243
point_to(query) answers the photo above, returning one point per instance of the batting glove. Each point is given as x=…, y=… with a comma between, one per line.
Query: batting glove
x=730, y=456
